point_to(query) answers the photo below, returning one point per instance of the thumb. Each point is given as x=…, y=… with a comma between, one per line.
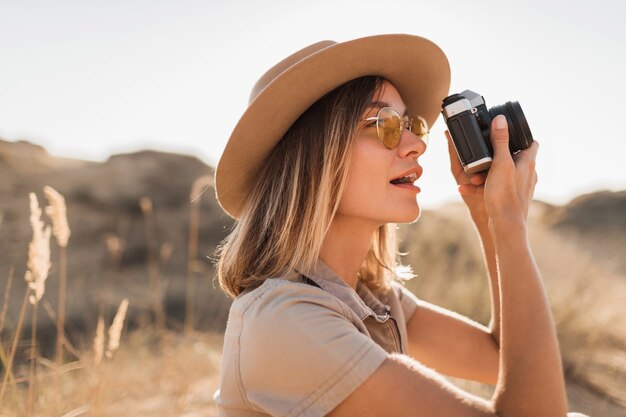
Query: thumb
x=500, y=137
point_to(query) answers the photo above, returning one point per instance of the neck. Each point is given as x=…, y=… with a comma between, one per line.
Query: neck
x=346, y=245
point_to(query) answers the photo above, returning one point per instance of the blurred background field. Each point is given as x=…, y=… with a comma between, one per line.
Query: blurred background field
x=92, y=79
x=134, y=221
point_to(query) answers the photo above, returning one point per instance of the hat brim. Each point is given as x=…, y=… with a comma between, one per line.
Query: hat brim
x=414, y=65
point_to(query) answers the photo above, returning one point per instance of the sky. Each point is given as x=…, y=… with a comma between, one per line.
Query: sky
x=90, y=79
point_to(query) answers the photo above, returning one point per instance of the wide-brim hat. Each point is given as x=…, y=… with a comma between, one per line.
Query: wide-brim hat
x=414, y=65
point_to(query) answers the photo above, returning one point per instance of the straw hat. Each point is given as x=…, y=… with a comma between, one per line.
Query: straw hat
x=414, y=65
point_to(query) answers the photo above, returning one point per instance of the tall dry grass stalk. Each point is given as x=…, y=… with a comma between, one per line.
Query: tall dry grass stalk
x=147, y=209
x=36, y=275
x=98, y=342
x=33, y=358
x=115, y=331
x=197, y=189
x=57, y=211
x=38, y=252
x=38, y=268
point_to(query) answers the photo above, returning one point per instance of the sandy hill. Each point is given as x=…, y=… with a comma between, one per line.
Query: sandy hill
x=103, y=203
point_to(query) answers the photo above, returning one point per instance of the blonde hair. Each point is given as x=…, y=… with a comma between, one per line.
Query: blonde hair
x=296, y=195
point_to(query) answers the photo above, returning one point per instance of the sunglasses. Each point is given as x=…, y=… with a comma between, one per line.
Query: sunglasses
x=389, y=126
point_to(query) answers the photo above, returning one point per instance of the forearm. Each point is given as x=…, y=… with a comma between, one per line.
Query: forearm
x=489, y=253
x=531, y=375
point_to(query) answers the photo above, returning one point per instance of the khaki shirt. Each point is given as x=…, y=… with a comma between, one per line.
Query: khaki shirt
x=299, y=348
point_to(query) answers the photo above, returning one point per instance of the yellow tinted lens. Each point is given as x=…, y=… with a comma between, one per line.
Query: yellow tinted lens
x=419, y=127
x=389, y=127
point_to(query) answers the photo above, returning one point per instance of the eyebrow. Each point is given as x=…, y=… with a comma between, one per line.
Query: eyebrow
x=380, y=104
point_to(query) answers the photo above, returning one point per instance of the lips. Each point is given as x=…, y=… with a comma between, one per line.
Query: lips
x=407, y=177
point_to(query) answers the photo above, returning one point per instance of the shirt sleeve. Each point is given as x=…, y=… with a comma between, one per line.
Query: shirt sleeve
x=299, y=354
x=408, y=300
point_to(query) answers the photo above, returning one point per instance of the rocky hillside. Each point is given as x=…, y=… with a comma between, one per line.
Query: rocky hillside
x=103, y=201
x=597, y=221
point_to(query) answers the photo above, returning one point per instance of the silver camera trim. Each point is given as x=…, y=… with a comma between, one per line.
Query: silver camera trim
x=478, y=166
x=456, y=108
x=475, y=99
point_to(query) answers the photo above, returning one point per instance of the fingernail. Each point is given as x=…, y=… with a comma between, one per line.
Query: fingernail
x=500, y=122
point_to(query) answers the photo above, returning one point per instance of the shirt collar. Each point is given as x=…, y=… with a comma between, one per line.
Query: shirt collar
x=362, y=301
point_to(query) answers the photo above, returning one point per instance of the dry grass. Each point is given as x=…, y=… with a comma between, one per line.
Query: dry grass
x=67, y=395
x=57, y=211
x=152, y=374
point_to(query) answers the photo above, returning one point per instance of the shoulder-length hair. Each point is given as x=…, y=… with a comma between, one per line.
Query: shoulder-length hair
x=296, y=195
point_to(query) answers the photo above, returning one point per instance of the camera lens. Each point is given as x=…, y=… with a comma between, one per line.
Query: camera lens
x=520, y=137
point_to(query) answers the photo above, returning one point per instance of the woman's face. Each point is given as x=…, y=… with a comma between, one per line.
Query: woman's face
x=369, y=194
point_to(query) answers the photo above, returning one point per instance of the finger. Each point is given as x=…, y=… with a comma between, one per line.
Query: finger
x=455, y=164
x=500, y=138
x=531, y=151
x=479, y=178
x=527, y=156
x=470, y=190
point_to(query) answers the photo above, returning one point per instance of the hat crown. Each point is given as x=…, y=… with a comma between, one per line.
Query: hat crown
x=285, y=64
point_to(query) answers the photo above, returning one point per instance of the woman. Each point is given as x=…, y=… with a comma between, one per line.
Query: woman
x=317, y=172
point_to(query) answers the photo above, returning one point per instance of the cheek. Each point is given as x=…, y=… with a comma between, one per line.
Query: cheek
x=367, y=179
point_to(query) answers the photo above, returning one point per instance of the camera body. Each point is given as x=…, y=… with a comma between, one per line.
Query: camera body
x=469, y=123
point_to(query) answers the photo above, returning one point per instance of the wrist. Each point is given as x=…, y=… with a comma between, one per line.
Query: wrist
x=506, y=228
x=477, y=212
x=481, y=222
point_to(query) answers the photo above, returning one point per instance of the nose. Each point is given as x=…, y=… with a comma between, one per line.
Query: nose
x=410, y=145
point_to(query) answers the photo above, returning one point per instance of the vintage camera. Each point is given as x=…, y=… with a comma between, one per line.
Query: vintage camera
x=469, y=124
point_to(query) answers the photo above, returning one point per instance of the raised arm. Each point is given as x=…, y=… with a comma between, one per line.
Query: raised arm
x=471, y=189
x=530, y=381
x=530, y=361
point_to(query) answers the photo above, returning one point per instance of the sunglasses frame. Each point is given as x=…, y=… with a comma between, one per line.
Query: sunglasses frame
x=404, y=124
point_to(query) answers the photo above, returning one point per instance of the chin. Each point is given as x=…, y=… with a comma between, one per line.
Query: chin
x=409, y=216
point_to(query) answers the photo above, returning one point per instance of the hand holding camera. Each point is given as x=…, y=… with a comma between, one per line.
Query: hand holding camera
x=510, y=183
x=507, y=188
x=469, y=123
x=476, y=143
